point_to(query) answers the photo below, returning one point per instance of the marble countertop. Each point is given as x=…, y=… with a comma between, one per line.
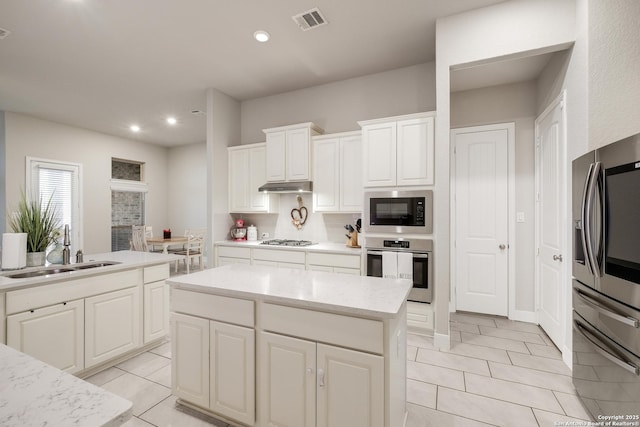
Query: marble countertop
x=33, y=393
x=343, y=293
x=329, y=247
x=126, y=259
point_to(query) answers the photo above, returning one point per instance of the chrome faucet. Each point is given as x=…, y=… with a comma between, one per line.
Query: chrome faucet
x=66, y=252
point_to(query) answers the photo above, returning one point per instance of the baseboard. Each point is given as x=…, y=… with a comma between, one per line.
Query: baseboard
x=442, y=341
x=524, y=316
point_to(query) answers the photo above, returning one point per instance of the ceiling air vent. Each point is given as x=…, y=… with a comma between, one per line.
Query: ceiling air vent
x=4, y=33
x=310, y=19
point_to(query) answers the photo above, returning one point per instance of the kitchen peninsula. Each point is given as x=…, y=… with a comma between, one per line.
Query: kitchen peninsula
x=262, y=346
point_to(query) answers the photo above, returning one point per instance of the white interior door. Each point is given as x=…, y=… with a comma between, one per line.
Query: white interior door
x=481, y=219
x=551, y=197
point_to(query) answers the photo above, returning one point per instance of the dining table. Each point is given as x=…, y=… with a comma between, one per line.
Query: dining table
x=165, y=243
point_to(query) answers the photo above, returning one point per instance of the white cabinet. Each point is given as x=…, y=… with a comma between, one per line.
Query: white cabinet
x=213, y=362
x=156, y=311
x=112, y=325
x=334, y=263
x=350, y=388
x=227, y=255
x=288, y=152
x=247, y=172
x=232, y=371
x=337, y=173
x=398, y=151
x=307, y=384
x=155, y=303
x=190, y=358
x=53, y=334
x=279, y=258
x=287, y=381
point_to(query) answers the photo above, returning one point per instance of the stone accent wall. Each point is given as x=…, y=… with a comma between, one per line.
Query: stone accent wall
x=126, y=170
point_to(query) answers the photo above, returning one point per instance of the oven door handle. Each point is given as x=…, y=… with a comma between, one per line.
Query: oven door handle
x=602, y=351
x=415, y=254
x=605, y=311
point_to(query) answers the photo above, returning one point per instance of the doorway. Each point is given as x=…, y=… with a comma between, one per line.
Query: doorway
x=551, y=218
x=482, y=210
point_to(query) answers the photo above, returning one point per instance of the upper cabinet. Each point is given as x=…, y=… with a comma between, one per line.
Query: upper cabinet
x=337, y=172
x=398, y=151
x=247, y=172
x=288, y=152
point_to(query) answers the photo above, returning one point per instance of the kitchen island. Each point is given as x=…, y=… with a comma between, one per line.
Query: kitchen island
x=89, y=316
x=33, y=393
x=261, y=346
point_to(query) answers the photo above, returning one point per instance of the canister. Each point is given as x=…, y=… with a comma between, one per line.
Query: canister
x=252, y=233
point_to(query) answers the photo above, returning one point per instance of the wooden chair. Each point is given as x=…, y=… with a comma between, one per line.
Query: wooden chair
x=194, y=248
x=138, y=239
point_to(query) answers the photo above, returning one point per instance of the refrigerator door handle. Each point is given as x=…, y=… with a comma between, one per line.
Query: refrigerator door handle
x=605, y=311
x=598, y=347
x=585, y=232
x=591, y=191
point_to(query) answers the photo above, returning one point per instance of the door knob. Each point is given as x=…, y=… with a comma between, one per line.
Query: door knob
x=502, y=246
x=557, y=258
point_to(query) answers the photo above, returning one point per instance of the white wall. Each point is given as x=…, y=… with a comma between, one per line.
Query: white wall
x=223, y=130
x=336, y=107
x=614, y=68
x=511, y=29
x=500, y=104
x=319, y=227
x=27, y=136
x=187, y=187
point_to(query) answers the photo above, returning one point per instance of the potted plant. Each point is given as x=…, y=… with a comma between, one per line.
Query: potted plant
x=41, y=224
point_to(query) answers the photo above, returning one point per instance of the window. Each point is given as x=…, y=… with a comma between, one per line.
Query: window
x=60, y=182
x=128, y=201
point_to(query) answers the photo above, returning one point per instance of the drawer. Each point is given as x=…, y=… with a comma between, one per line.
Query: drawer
x=334, y=260
x=278, y=255
x=43, y=295
x=345, y=331
x=234, y=252
x=230, y=261
x=156, y=273
x=214, y=307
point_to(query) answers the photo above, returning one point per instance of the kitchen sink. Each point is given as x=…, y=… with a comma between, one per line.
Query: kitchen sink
x=94, y=265
x=46, y=271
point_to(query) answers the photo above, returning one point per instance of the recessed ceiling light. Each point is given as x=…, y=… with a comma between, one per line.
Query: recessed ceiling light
x=134, y=128
x=261, y=36
x=171, y=120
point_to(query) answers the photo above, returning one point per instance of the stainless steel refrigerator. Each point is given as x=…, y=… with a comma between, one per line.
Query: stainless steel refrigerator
x=606, y=280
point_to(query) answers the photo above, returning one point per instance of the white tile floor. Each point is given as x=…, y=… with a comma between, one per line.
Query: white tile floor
x=498, y=372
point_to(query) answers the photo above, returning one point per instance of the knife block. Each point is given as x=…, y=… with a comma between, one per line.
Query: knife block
x=353, y=240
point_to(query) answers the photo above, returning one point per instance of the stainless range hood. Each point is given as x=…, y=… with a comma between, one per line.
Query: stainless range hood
x=287, y=187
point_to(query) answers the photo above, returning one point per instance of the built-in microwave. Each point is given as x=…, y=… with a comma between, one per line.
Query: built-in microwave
x=396, y=211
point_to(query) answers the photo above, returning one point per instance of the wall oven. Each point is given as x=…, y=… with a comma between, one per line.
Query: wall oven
x=606, y=285
x=381, y=252
x=396, y=211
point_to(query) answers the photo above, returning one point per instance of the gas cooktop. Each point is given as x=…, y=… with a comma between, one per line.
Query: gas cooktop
x=286, y=242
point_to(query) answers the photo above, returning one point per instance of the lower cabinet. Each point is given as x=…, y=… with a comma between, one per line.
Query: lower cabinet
x=304, y=383
x=213, y=366
x=53, y=334
x=156, y=311
x=112, y=322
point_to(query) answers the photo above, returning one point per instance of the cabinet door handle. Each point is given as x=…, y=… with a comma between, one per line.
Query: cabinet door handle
x=309, y=371
x=321, y=377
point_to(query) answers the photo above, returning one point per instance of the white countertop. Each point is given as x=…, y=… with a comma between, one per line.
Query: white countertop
x=344, y=293
x=126, y=259
x=33, y=393
x=328, y=247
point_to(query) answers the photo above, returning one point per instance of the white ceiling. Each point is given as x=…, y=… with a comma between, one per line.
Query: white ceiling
x=103, y=65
